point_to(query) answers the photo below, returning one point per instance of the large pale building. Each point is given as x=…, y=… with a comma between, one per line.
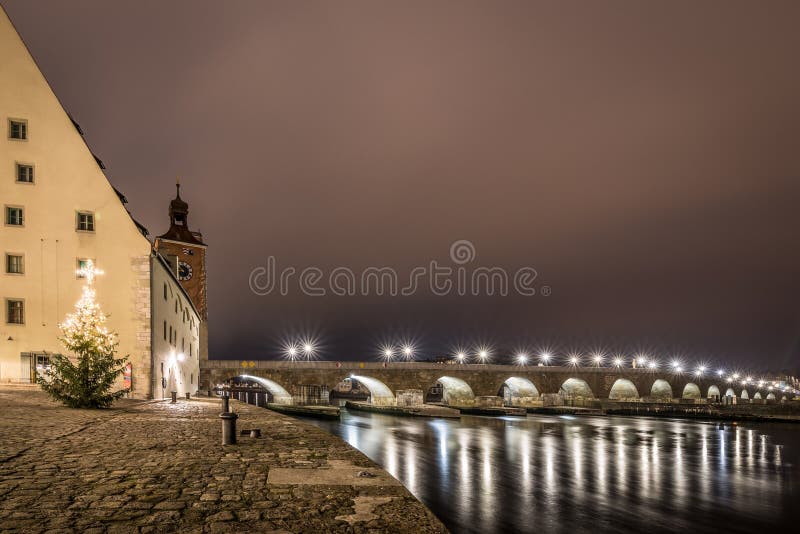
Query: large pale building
x=59, y=211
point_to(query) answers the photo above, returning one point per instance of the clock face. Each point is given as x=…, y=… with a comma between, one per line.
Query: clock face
x=184, y=271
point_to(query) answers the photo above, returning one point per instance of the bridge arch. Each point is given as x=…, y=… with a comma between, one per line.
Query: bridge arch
x=691, y=391
x=745, y=394
x=278, y=392
x=623, y=389
x=757, y=395
x=730, y=393
x=713, y=391
x=518, y=391
x=576, y=388
x=661, y=390
x=770, y=396
x=456, y=391
x=379, y=393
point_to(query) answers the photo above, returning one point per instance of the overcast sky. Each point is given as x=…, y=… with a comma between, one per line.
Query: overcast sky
x=643, y=157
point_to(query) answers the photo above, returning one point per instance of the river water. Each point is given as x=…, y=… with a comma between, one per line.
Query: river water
x=588, y=474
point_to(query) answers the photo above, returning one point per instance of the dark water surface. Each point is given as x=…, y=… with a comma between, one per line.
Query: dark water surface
x=588, y=474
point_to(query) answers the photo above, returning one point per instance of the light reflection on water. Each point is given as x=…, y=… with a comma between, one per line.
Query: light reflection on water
x=587, y=474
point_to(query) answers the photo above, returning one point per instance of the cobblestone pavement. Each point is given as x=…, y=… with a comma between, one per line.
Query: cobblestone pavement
x=159, y=467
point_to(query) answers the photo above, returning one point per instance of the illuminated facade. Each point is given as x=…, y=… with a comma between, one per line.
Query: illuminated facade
x=59, y=210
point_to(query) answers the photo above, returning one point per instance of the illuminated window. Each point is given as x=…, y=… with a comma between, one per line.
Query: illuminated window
x=24, y=173
x=17, y=129
x=85, y=221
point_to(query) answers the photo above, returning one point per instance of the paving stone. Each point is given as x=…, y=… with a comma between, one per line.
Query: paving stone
x=158, y=467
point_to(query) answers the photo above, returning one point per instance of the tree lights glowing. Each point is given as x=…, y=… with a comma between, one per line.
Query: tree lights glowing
x=86, y=380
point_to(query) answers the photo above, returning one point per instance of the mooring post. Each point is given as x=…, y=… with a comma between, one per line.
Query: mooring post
x=188, y=396
x=228, y=428
x=174, y=397
x=225, y=403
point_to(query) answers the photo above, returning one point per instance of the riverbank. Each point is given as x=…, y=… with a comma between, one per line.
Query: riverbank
x=159, y=467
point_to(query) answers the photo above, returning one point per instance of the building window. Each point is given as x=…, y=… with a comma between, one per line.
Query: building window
x=190, y=350
x=191, y=378
x=183, y=344
x=14, y=216
x=81, y=264
x=15, y=311
x=165, y=330
x=85, y=221
x=165, y=291
x=17, y=129
x=24, y=173
x=170, y=335
x=176, y=305
x=15, y=264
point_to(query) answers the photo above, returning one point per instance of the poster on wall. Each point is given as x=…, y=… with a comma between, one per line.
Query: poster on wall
x=127, y=377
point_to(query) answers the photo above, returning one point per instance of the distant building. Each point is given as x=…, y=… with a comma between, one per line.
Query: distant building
x=59, y=210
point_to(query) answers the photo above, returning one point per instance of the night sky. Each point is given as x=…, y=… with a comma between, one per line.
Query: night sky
x=643, y=157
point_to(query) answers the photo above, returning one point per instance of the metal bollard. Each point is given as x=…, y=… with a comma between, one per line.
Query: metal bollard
x=228, y=428
x=226, y=401
x=188, y=397
x=174, y=397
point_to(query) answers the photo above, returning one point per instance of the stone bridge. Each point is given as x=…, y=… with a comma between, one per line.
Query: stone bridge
x=462, y=383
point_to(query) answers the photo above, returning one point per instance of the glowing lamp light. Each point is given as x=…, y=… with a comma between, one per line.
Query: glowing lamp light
x=545, y=357
x=181, y=357
x=720, y=372
x=617, y=362
x=598, y=359
x=653, y=364
x=461, y=357
x=735, y=376
x=483, y=354
x=388, y=353
x=408, y=351
x=573, y=360
x=522, y=358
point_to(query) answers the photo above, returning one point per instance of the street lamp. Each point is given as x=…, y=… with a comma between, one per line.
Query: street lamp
x=653, y=364
x=573, y=361
x=408, y=352
x=483, y=355
x=461, y=357
x=598, y=359
x=617, y=362
x=545, y=357
x=522, y=358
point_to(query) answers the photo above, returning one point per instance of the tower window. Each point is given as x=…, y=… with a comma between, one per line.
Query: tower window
x=85, y=221
x=165, y=330
x=17, y=129
x=165, y=291
x=14, y=216
x=15, y=264
x=15, y=311
x=24, y=173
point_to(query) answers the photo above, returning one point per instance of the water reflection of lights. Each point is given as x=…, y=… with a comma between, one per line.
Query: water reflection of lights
x=509, y=474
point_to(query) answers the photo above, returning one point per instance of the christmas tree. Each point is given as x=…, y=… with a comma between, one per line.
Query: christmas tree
x=87, y=379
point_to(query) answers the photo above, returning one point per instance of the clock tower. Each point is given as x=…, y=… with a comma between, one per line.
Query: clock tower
x=186, y=254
